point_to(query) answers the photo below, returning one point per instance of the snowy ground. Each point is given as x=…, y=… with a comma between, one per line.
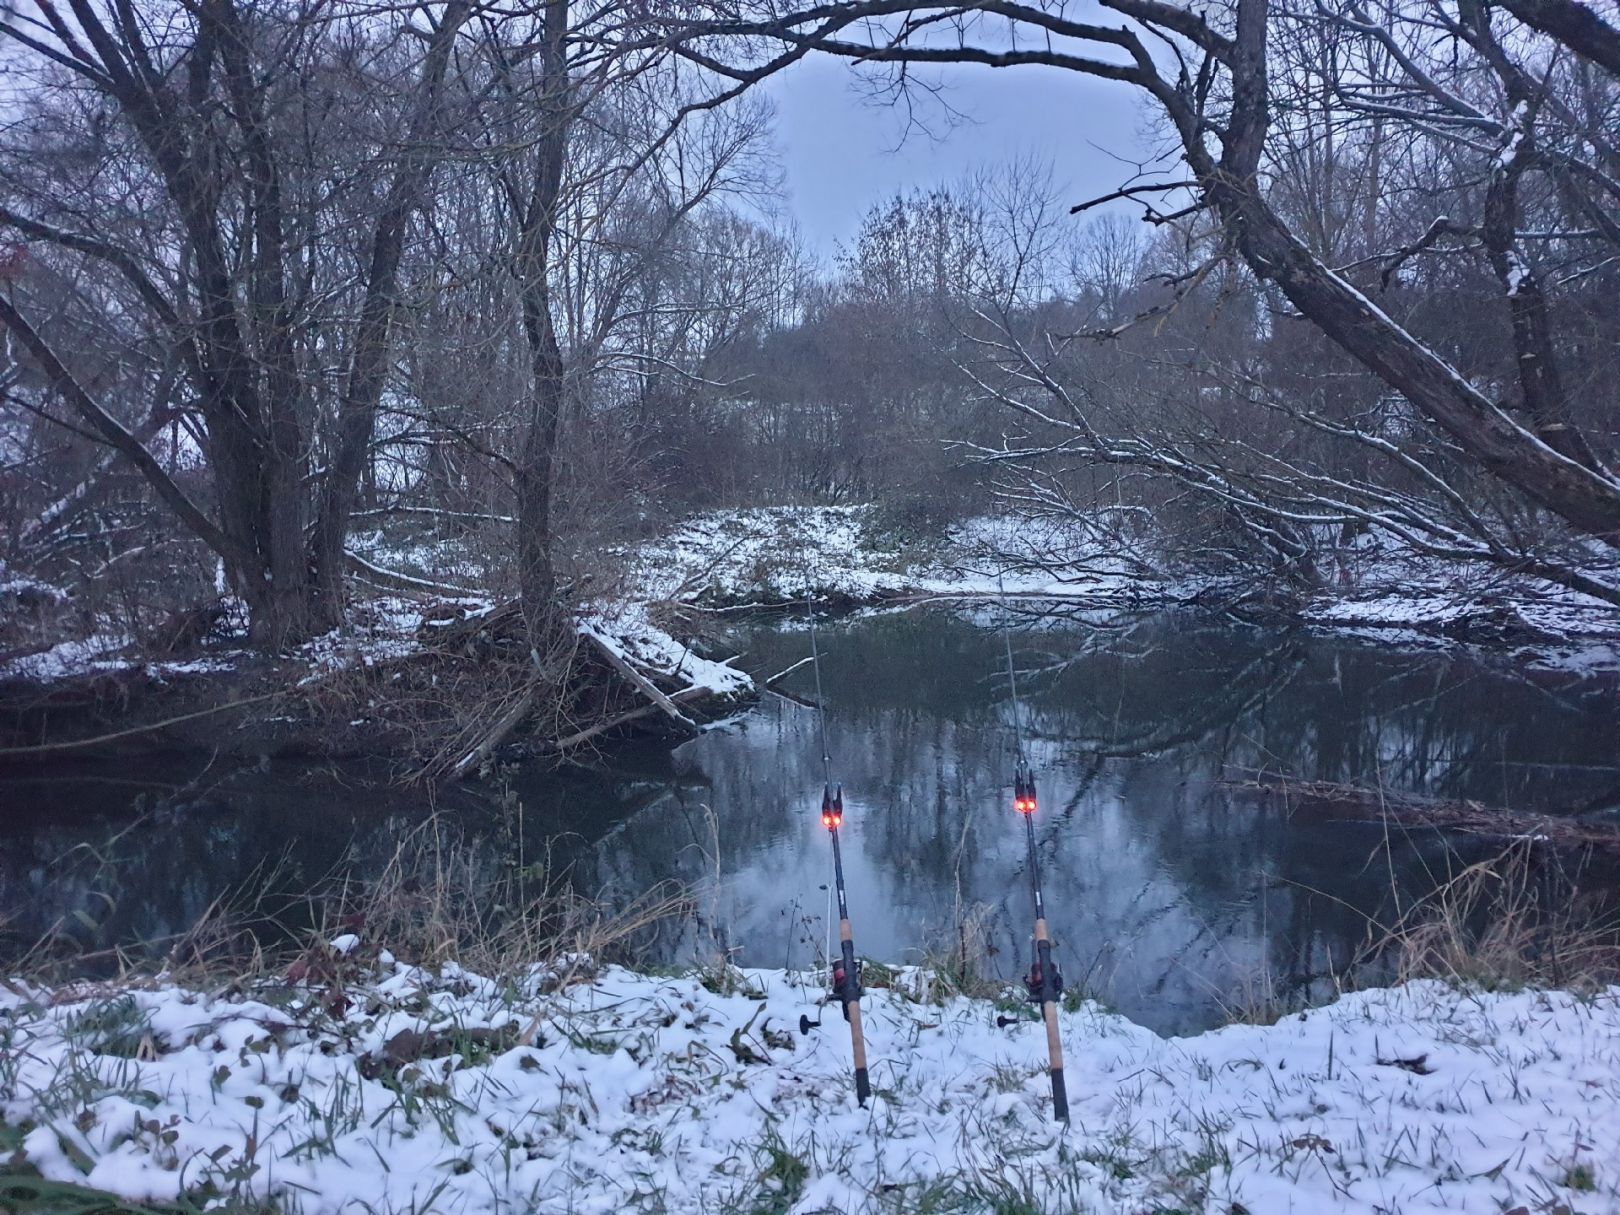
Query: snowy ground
x=770, y=556
x=731, y=560
x=396, y=1090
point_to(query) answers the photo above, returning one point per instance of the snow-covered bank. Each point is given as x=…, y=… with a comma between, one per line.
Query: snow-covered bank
x=400, y=1090
x=777, y=556
x=852, y=556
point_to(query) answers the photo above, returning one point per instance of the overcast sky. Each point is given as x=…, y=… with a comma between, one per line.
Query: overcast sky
x=842, y=152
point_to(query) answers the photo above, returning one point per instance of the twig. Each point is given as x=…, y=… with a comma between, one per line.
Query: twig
x=497, y=734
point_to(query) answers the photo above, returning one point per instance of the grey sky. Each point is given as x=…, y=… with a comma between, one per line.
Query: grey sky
x=843, y=152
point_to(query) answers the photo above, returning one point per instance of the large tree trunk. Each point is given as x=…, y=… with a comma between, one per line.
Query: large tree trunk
x=535, y=475
x=1584, y=495
x=536, y=468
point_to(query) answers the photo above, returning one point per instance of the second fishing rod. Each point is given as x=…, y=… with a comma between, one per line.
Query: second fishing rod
x=1044, y=982
x=846, y=970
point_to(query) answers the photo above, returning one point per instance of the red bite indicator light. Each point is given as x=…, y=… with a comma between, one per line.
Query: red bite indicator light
x=832, y=808
x=1024, y=796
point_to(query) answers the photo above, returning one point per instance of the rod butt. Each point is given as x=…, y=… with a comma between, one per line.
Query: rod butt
x=863, y=1086
x=1060, y=1097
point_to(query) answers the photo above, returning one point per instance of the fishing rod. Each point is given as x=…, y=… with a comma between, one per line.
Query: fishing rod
x=846, y=971
x=1044, y=983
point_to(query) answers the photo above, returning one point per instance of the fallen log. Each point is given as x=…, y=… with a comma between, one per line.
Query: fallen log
x=1331, y=801
x=639, y=681
x=584, y=736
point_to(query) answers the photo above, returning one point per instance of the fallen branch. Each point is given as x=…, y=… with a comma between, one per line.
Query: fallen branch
x=508, y=722
x=432, y=513
x=781, y=675
x=1319, y=800
x=641, y=683
x=394, y=581
x=79, y=744
x=511, y=719
x=583, y=736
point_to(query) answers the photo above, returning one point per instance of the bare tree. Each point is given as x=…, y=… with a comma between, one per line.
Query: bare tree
x=1210, y=76
x=183, y=154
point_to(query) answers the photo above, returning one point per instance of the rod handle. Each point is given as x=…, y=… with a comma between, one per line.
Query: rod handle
x=863, y=1086
x=1054, y=1054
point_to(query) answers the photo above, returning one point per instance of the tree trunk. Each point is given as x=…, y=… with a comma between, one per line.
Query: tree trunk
x=368, y=371
x=536, y=467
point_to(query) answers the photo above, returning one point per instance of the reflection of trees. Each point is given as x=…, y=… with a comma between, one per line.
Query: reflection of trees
x=1162, y=880
x=123, y=862
x=1175, y=885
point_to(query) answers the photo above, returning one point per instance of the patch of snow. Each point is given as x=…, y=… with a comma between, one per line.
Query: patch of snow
x=379, y=629
x=779, y=556
x=21, y=587
x=66, y=659
x=643, y=1092
x=631, y=635
x=208, y=665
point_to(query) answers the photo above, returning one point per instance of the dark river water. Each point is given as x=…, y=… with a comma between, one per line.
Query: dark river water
x=1176, y=887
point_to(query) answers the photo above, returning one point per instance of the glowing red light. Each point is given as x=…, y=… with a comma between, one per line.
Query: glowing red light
x=830, y=820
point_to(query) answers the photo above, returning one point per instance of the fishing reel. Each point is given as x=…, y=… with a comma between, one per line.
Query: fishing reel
x=846, y=984
x=846, y=989
x=1044, y=988
x=1039, y=988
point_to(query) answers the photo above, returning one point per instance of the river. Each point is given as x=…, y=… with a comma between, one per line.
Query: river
x=1178, y=890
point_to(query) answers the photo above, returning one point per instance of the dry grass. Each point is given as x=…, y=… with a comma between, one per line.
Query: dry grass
x=439, y=897
x=964, y=967
x=1506, y=922
x=437, y=900
x=224, y=939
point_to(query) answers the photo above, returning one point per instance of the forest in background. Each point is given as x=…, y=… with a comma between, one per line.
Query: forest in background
x=276, y=273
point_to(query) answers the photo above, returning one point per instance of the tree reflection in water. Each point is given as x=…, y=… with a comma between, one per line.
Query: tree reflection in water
x=1174, y=893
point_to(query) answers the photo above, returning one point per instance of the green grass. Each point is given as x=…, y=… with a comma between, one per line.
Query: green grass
x=1582, y=1179
x=115, y=1027
x=23, y=1193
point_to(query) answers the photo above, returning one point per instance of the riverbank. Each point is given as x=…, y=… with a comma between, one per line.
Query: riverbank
x=389, y=1088
x=354, y=691
x=774, y=558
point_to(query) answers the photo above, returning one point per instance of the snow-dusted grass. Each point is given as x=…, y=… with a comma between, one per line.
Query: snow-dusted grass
x=771, y=556
x=775, y=556
x=417, y=1092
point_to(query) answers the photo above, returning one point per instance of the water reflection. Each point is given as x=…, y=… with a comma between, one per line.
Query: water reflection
x=1173, y=893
